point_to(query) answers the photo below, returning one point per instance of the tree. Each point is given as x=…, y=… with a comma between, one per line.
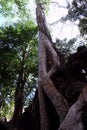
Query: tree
x=63, y=86
x=14, y=8
x=78, y=12
x=65, y=47
x=45, y=83
x=18, y=62
x=19, y=47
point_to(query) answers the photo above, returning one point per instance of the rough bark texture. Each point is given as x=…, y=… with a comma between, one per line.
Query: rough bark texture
x=72, y=86
x=73, y=120
x=45, y=42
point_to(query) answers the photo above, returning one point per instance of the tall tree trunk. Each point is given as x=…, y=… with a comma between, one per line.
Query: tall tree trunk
x=19, y=94
x=44, y=80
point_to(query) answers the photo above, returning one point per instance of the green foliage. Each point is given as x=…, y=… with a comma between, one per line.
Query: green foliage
x=42, y=2
x=78, y=10
x=65, y=47
x=19, y=8
x=5, y=6
x=83, y=26
x=14, y=8
x=14, y=40
x=45, y=3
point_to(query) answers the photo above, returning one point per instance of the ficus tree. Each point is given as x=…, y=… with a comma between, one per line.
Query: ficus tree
x=44, y=74
x=49, y=62
x=18, y=46
x=45, y=84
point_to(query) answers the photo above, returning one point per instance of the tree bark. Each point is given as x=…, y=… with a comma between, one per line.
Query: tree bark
x=73, y=120
x=19, y=94
x=45, y=42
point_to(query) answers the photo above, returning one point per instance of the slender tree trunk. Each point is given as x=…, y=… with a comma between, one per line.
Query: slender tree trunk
x=19, y=94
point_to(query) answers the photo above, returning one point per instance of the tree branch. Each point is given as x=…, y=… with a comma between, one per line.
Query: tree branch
x=59, y=6
x=73, y=119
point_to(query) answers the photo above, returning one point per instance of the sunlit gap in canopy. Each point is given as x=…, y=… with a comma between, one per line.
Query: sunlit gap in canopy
x=61, y=30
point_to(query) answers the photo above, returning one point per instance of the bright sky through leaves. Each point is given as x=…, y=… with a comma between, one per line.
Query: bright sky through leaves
x=60, y=30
